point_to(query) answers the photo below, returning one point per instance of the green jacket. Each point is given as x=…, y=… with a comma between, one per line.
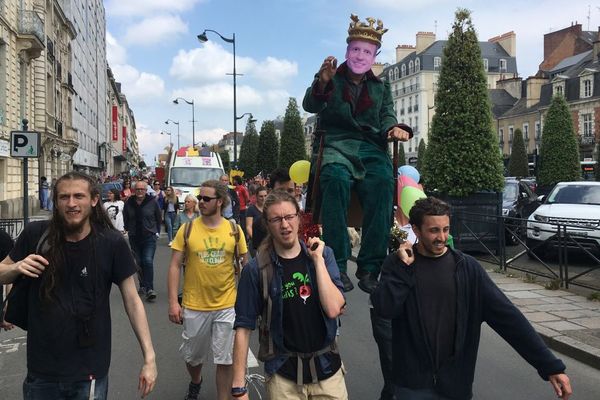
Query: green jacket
x=350, y=129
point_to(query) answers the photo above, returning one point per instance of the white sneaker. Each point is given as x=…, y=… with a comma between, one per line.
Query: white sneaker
x=170, y=243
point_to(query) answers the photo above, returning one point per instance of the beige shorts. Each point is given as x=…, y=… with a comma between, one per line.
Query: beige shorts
x=332, y=388
x=201, y=329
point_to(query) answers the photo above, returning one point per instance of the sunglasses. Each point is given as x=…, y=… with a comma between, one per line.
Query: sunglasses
x=206, y=199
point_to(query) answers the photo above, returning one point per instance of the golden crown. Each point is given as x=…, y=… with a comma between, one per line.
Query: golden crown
x=365, y=30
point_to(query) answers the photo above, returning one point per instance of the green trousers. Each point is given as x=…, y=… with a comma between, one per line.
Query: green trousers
x=375, y=193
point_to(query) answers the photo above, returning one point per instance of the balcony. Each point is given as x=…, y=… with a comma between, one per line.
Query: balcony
x=587, y=140
x=31, y=38
x=69, y=83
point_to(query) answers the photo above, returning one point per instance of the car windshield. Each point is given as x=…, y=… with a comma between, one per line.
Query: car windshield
x=511, y=190
x=193, y=177
x=575, y=194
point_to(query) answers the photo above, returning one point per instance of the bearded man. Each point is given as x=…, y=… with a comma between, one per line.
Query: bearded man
x=356, y=112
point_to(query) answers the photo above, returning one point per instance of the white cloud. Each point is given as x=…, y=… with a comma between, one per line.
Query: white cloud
x=150, y=142
x=115, y=53
x=275, y=72
x=220, y=95
x=126, y=8
x=156, y=30
x=138, y=85
x=210, y=136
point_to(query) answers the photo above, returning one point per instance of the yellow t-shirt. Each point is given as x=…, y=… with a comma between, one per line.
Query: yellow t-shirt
x=209, y=278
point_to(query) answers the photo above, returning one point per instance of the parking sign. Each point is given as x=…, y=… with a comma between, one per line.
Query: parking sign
x=25, y=144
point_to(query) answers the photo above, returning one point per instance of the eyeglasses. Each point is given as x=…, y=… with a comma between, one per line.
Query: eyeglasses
x=206, y=199
x=278, y=220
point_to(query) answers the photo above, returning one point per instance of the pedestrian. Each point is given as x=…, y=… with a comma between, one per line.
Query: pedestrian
x=73, y=269
x=279, y=179
x=437, y=299
x=142, y=219
x=50, y=202
x=190, y=211
x=243, y=197
x=6, y=245
x=303, y=297
x=170, y=209
x=232, y=209
x=44, y=189
x=126, y=192
x=160, y=194
x=209, y=288
x=356, y=112
x=253, y=216
x=114, y=209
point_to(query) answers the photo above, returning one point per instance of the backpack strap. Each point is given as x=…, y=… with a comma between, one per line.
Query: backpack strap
x=235, y=231
x=266, y=272
x=187, y=232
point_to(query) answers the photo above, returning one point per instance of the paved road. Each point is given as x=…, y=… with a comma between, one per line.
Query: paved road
x=500, y=373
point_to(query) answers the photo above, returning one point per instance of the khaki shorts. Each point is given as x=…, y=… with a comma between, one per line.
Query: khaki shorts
x=332, y=388
x=201, y=329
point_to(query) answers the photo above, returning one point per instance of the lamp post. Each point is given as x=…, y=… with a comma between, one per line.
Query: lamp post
x=176, y=101
x=203, y=38
x=168, y=134
x=176, y=123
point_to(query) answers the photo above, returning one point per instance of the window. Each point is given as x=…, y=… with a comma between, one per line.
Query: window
x=486, y=64
x=417, y=65
x=396, y=73
x=538, y=130
x=416, y=127
x=437, y=62
x=587, y=87
x=403, y=69
x=501, y=136
x=410, y=104
x=502, y=65
x=587, y=125
x=511, y=133
x=411, y=67
x=558, y=89
x=526, y=132
x=391, y=75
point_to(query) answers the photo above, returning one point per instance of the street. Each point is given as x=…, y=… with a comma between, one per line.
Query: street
x=501, y=373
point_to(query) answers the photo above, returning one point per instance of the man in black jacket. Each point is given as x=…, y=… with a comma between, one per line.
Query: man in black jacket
x=142, y=219
x=437, y=299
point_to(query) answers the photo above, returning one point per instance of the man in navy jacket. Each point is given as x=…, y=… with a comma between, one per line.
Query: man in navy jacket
x=437, y=299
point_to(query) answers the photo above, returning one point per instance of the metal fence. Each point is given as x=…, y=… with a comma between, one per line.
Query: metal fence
x=13, y=227
x=571, y=256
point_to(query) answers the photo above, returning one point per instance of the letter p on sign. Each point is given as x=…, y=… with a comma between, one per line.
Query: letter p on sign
x=25, y=144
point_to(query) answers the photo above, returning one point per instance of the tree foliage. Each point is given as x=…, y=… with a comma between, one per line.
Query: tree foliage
x=292, y=147
x=268, y=148
x=598, y=161
x=518, y=164
x=421, y=151
x=559, y=152
x=249, y=151
x=225, y=160
x=462, y=155
x=401, y=155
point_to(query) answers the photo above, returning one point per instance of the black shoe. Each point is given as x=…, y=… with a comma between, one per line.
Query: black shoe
x=193, y=391
x=367, y=283
x=150, y=295
x=348, y=286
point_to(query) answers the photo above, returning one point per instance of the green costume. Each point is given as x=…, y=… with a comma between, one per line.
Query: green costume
x=356, y=120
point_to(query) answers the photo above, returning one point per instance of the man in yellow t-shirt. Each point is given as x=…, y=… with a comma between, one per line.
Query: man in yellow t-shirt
x=209, y=289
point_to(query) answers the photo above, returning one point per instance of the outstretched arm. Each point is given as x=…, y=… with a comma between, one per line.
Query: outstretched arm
x=137, y=317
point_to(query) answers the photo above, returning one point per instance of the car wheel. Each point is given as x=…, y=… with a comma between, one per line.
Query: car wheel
x=535, y=248
x=514, y=231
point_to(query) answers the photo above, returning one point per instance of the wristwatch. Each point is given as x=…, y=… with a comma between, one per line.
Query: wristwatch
x=239, y=391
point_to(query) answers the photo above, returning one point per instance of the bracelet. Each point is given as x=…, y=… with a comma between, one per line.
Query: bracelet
x=239, y=391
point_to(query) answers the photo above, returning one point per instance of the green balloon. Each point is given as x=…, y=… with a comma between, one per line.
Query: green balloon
x=409, y=196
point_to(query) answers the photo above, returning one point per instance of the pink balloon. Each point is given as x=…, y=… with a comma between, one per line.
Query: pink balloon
x=405, y=180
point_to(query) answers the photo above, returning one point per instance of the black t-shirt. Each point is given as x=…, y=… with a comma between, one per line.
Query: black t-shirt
x=256, y=215
x=69, y=338
x=259, y=231
x=436, y=294
x=304, y=329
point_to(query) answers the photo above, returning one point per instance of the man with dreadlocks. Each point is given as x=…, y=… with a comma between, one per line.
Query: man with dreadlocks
x=70, y=264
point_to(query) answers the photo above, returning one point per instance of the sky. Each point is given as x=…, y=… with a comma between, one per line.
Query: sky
x=280, y=44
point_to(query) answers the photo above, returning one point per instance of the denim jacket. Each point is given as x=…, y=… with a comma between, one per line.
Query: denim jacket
x=249, y=304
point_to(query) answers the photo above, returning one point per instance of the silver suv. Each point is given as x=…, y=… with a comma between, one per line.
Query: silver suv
x=572, y=205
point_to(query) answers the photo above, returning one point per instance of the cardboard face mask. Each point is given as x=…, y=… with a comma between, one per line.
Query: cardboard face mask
x=360, y=56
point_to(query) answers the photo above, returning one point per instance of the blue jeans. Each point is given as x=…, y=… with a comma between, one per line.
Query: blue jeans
x=40, y=389
x=143, y=250
x=418, y=394
x=44, y=199
x=169, y=221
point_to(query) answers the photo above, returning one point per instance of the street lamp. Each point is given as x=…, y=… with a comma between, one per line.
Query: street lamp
x=203, y=38
x=176, y=123
x=169, y=134
x=176, y=101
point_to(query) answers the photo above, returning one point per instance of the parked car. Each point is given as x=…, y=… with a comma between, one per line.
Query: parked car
x=572, y=205
x=518, y=202
x=110, y=185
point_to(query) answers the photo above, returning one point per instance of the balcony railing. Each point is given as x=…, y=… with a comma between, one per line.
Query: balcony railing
x=586, y=140
x=31, y=24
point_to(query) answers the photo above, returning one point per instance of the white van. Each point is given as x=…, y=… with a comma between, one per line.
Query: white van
x=189, y=167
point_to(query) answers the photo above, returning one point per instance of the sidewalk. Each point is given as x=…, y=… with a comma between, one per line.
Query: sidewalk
x=568, y=323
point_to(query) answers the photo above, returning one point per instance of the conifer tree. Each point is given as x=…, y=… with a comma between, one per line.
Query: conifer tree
x=401, y=155
x=462, y=155
x=518, y=164
x=268, y=148
x=225, y=160
x=559, y=152
x=421, y=154
x=292, y=147
x=249, y=151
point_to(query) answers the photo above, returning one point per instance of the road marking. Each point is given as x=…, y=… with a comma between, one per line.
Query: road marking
x=12, y=345
x=252, y=361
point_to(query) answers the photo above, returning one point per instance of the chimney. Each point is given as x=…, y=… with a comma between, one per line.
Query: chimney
x=402, y=51
x=596, y=50
x=377, y=69
x=534, y=89
x=508, y=41
x=511, y=85
x=424, y=40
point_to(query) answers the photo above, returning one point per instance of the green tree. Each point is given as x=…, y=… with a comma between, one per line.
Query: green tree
x=225, y=159
x=598, y=161
x=462, y=155
x=518, y=164
x=292, y=147
x=401, y=155
x=268, y=148
x=559, y=152
x=421, y=151
x=249, y=151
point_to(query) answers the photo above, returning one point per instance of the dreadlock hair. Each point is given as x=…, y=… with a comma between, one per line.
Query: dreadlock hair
x=57, y=237
x=275, y=197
